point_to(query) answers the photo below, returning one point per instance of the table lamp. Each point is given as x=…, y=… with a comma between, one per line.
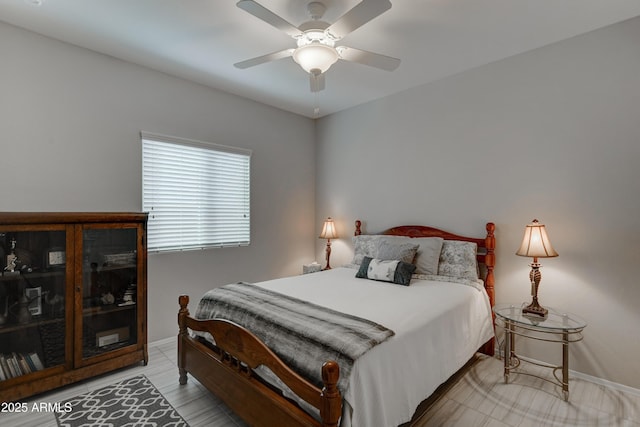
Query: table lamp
x=328, y=232
x=535, y=244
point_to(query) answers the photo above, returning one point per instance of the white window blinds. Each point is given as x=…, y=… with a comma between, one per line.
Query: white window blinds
x=196, y=194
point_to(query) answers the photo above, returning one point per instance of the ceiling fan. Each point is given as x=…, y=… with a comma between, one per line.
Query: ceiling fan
x=316, y=39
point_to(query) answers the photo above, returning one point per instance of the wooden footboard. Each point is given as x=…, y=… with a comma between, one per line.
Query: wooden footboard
x=227, y=370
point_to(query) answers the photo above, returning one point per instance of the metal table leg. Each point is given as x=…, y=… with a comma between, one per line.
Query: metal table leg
x=565, y=365
x=508, y=349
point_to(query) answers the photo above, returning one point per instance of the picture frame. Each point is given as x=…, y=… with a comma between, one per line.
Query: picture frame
x=34, y=296
x=55, y=258
x=112, y=336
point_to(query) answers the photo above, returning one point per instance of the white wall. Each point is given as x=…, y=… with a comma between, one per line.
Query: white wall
x=552, y=134
x=69, y=129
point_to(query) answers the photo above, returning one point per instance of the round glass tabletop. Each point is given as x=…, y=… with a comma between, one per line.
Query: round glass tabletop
x=556, y=320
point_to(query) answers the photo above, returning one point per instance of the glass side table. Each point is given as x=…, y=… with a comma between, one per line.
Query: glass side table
x=558, y=326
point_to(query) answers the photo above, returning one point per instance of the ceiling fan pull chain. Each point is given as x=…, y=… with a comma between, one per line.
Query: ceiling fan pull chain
x=316, y=109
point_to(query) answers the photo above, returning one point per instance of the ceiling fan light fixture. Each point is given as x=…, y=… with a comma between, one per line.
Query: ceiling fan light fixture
x=315, y=56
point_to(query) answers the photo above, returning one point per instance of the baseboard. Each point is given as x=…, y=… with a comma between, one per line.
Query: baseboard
x=164, y=341
x=605, y=383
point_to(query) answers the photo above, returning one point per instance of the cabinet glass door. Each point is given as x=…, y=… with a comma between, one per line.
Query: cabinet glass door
x=109, y=293
x=33, y=273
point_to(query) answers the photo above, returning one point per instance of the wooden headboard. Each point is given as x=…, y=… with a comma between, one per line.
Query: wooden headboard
x=486, y=246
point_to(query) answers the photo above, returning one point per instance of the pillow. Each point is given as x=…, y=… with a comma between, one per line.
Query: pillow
x=428, y=254
x=397, y=250
x=392, y=271
x=364, y=245
x=368, y=244
x=458, y=259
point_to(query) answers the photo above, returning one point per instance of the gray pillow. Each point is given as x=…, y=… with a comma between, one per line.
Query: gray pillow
x=368, y=244
x=458, y=259
x=428, y=255
x=403, y=251
x=365, y=245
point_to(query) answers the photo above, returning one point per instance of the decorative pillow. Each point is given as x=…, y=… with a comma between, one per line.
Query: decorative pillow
x=393, y=271
x=428, y=255
x=364, y=245
x=397, y=250
x=458, y=259
x=368, y=244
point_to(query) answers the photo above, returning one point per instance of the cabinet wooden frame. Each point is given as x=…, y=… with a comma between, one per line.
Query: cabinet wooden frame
x=76, y=365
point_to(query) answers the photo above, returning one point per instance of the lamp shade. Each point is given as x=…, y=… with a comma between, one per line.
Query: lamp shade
x=535, y=243
x=328, y=230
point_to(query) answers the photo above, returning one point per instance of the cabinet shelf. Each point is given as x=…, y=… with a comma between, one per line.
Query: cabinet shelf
x=111, y=267
x=33, y=275
x=107, y=309
x=96, y=351
x=12, y=327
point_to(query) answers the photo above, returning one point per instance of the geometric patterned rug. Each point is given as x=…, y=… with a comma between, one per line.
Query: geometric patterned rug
x=133, y=402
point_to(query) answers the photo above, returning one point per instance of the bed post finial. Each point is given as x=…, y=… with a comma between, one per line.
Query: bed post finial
x=331, y=407
x=183, y=300
x=358, y=228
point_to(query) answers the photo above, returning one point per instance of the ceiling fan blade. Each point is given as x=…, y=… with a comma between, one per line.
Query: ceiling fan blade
x=269, y=17
x=264, y=58
x=371, y=59
x=359, y=15
x=317, y=82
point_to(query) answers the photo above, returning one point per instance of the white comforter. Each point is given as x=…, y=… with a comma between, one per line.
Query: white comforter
x=438, y=327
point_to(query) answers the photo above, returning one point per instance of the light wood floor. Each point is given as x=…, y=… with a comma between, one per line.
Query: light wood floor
x=478, y=398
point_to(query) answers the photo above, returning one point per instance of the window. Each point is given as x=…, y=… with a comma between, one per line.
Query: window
x=196, y=194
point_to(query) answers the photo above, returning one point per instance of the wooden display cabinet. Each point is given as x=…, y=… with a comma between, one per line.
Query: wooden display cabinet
x=73, y=298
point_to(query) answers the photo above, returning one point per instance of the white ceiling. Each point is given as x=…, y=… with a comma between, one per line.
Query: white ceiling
x=200, y=40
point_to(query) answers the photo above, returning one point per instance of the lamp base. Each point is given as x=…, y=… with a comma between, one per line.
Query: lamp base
x=328, y=252
x=536, y=310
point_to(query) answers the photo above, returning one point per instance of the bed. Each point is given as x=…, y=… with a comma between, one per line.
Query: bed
x=437, y=323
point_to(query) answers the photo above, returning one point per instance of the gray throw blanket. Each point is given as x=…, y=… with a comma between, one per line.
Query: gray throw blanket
x=302, y=334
